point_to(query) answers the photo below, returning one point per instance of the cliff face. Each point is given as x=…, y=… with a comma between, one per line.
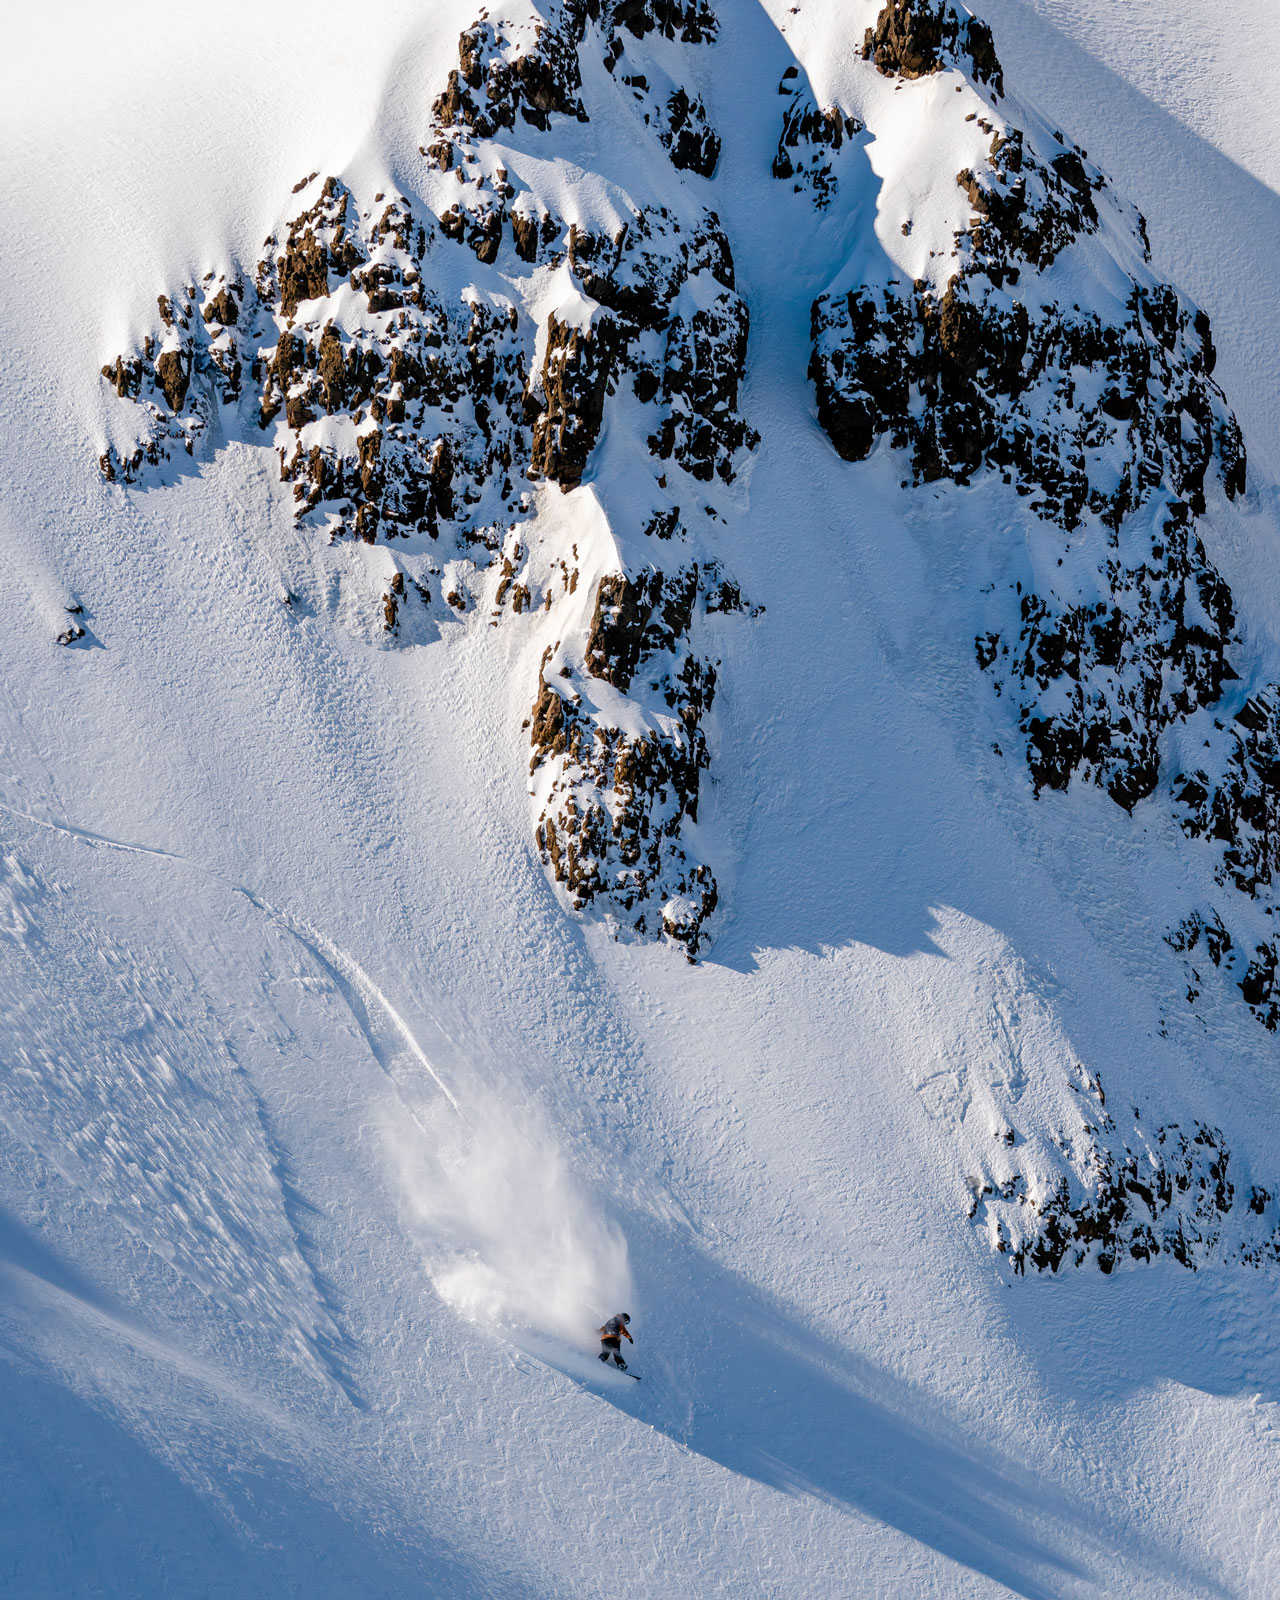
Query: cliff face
x=410, y=412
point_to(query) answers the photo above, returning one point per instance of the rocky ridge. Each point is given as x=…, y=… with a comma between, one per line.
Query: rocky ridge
x=422, y=364
x=1102, y=412
x=1045, y=351
x=1049, y=354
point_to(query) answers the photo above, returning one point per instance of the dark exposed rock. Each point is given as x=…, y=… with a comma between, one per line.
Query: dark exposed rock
x=967, y=380
x=1240, y=804
x=808, y=140
x=525, y=233
x=611, y=823
x=986, y=375
x=494, y=81
x=1121, y=1198
x=1147, y=657
x=913, y=38
x=1027, y=210
x=692, y=142
x=391, y=603
x=173, y=373
x=1260, y=985
x=1234, y=802
x=304, y=272
x=622, y=610
x=395, y=415
x=691, y=21
x=225, y=305
x=574, y=380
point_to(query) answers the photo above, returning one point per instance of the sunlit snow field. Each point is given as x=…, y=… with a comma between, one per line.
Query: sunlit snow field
x=328, y=1136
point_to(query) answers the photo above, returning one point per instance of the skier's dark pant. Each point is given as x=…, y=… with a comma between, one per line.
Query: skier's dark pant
x=612, y=1347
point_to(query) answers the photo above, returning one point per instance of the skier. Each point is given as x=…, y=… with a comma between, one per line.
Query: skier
x=611, y=1337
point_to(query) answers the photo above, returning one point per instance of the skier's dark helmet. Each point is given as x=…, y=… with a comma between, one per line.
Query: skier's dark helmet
x=624, y=1316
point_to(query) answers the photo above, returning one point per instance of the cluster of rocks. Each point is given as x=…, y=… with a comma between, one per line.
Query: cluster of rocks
x=809, y=140
x=914, y=38
x=614, y=803
x=1241, y=805
x=401, y=416
x=1097, y=681
x=1236, y=805
x=981, y=376
x=402, y=411
x=506, y=72
x=974, y=379
x=1110, y=1196
x=1092, y=396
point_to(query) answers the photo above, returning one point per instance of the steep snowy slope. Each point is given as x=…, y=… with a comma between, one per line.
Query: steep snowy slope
x=340, y=1100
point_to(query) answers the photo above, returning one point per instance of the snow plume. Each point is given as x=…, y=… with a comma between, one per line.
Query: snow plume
x=511, y=1236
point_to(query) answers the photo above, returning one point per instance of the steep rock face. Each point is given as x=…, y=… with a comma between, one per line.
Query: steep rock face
x=809, y=140
x=1098, y=681
x=402, y=410
x=913, y=38
x=1241, y=804
x=400, y=415
x=614, y=802
x=575, y=378
x=1050, y=356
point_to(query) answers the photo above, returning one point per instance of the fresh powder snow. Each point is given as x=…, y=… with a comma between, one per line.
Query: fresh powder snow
x=542, y=776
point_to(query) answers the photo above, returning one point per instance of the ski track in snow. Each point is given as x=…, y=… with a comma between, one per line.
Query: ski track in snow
x=345, y=970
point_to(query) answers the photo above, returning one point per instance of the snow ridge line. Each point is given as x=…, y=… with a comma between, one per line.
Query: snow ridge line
x=320, y=946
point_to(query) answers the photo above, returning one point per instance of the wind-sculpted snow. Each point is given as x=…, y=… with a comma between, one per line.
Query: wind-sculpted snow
x=122, y=1079
x=420, y=365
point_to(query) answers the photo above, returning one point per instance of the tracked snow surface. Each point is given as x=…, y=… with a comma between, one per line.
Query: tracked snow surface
x=640, y=669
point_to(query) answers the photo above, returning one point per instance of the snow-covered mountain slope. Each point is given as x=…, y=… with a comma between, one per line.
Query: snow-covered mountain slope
x=695, y=730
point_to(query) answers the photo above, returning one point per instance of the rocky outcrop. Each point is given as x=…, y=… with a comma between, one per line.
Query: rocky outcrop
x=1233, y=802
x=690, y=140
x=1100, y=409
x=977, y=377
x=1049, y=356
x=1239, y=804
x=970, y=382
x=1111, y=1197
x=809, y=139
x=401, y=410
x=503, y=74
x=1132, y=664
x=613, y=802
x=576, y=371
x=913, y=38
